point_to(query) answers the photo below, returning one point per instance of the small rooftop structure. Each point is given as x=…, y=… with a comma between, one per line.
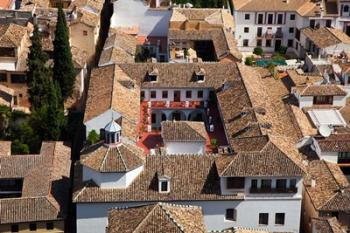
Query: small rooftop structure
x=183, y=131
x=328, y=117
x=319, y=90
x=324, y=37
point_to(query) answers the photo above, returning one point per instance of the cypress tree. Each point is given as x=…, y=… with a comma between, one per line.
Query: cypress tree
x=63, y=70
x=38, y=72
x=49, y=120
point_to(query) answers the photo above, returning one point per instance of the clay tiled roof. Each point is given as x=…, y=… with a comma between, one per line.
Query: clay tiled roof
x=79, y=57
x=319, y=90
x=325, y=37
x=86, y=17
x=277, y=157
x=121, y=157
x=111, y=88
x=302, y=7
x=158, y=217
x=331, y=192
x=182, y=75
x=335, y=143
x=11, y=35
x=192, y=177
x=223, y=41
x=96, y=5
x=183, y=131
x=327, y=225
x=119, y=48
x=45, y=184
x=302, y=79
x=5, y=148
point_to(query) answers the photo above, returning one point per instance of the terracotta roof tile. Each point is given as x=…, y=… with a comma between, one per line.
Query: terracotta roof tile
x=327, y=225
x=45, y=184
x=11, y=35
x=319, y=90
x=159, y=217
x=5, y=148
x=324, y=37
x=192, y=177
x=183, y=131
x=121, y=157
x=331, y=192
x=335, y=143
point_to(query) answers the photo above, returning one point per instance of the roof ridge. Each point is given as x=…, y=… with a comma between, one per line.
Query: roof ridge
x=144, y=219
x=104, y=158
x=195, y=130
x=121, y=157
x=167, y=213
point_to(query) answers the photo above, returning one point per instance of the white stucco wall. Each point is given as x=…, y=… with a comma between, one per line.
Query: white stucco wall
x=111, y=180
x=93, y=217
x=8, y=65
x=184, y=147
x=339, y=100
x=100, y=121
x=305, y=101
x=151, y=22
x=325, y=155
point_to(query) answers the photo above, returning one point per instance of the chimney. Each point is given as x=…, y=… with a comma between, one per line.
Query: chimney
x=313, y=183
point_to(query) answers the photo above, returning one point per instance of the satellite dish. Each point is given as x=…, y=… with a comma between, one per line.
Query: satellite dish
x=324, y=130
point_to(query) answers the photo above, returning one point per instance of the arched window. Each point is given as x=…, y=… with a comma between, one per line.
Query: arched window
x=346, y=8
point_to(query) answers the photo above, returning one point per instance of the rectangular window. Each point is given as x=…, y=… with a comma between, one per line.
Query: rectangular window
x=247, y=16
x=328, y=23
x=85, y=33
x=231, y=214
x=259, y=32
x=164, y=94
x=297, y=34
x=266, y=184
x=292, y=17
x=279, y=219
x=142, y=95
x=279, y=19
x=254, y=184
x=200, y=94
x=153, y=118
x=323, y=100
x=290, y=43
x=164, y=187
x=293, y=183
x=291, y=30
x=3, y=77
x=270, y=19
x=153, y=94
x=258, y=43
x=32, y=226
x=268, y=43
x=246, y=30
x=235, y=182
x=245, y=43
x=49, y=226
x=188, y=94
x=264, y=219
x=312, y=23
x=281, y=184
x=260, y=18
x=14, y=228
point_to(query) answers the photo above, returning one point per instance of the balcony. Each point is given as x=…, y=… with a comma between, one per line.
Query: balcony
x=273, y=190
x=176, y=104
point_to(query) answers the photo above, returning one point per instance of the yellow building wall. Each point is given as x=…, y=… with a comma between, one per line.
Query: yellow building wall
x=83, y=37
x=308, y=212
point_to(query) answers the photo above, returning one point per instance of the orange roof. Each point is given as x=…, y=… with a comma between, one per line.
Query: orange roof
x=5, y=4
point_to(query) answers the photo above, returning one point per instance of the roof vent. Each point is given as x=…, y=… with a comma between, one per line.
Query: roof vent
x=153, y=75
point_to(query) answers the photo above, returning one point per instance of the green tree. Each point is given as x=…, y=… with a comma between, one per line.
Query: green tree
x=5, y=117
x=38, y=73
x=93, y=137
x=63, y=69
x=249, y=61
x=258, y=51
x=49, y=120
x=18, y=147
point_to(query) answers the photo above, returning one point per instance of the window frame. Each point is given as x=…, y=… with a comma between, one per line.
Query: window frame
x=235, y=183
x=188, y=94
x=153, y=96
x=245, y=43
x=292, y=17
x=246, y=29
x=233, y=211
x=246, y=16
x=283, y=219
x=262, y=219
x=165, y=94
x=33, y=226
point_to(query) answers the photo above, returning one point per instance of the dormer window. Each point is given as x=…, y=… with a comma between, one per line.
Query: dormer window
x=200, y=75
x=153, y=75
x=164, y=184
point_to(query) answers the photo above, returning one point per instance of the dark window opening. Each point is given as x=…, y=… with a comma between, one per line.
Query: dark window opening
x=18, y=78
x=188, y=94
x=235, y=182
x=164, y=186
x=266, y=184
x=279, y=219
x=32, y=226
x=259, y=43
x=247, y=16
x=14, y=228
x=230, y=215
x=245, y=43
x=323, y=100
x=164, y=94
x=279, y=19
x=49, y=226
x=259, y=32
x=260, y=18
x=292, y=17
x=270, y=19
x=246, y=29
x=200, y=94
x=281, y=183
x=263, y=218
x=254, y=184
x=3, y=77
x=290, y=43
x=268, y=43
x=153, y=94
